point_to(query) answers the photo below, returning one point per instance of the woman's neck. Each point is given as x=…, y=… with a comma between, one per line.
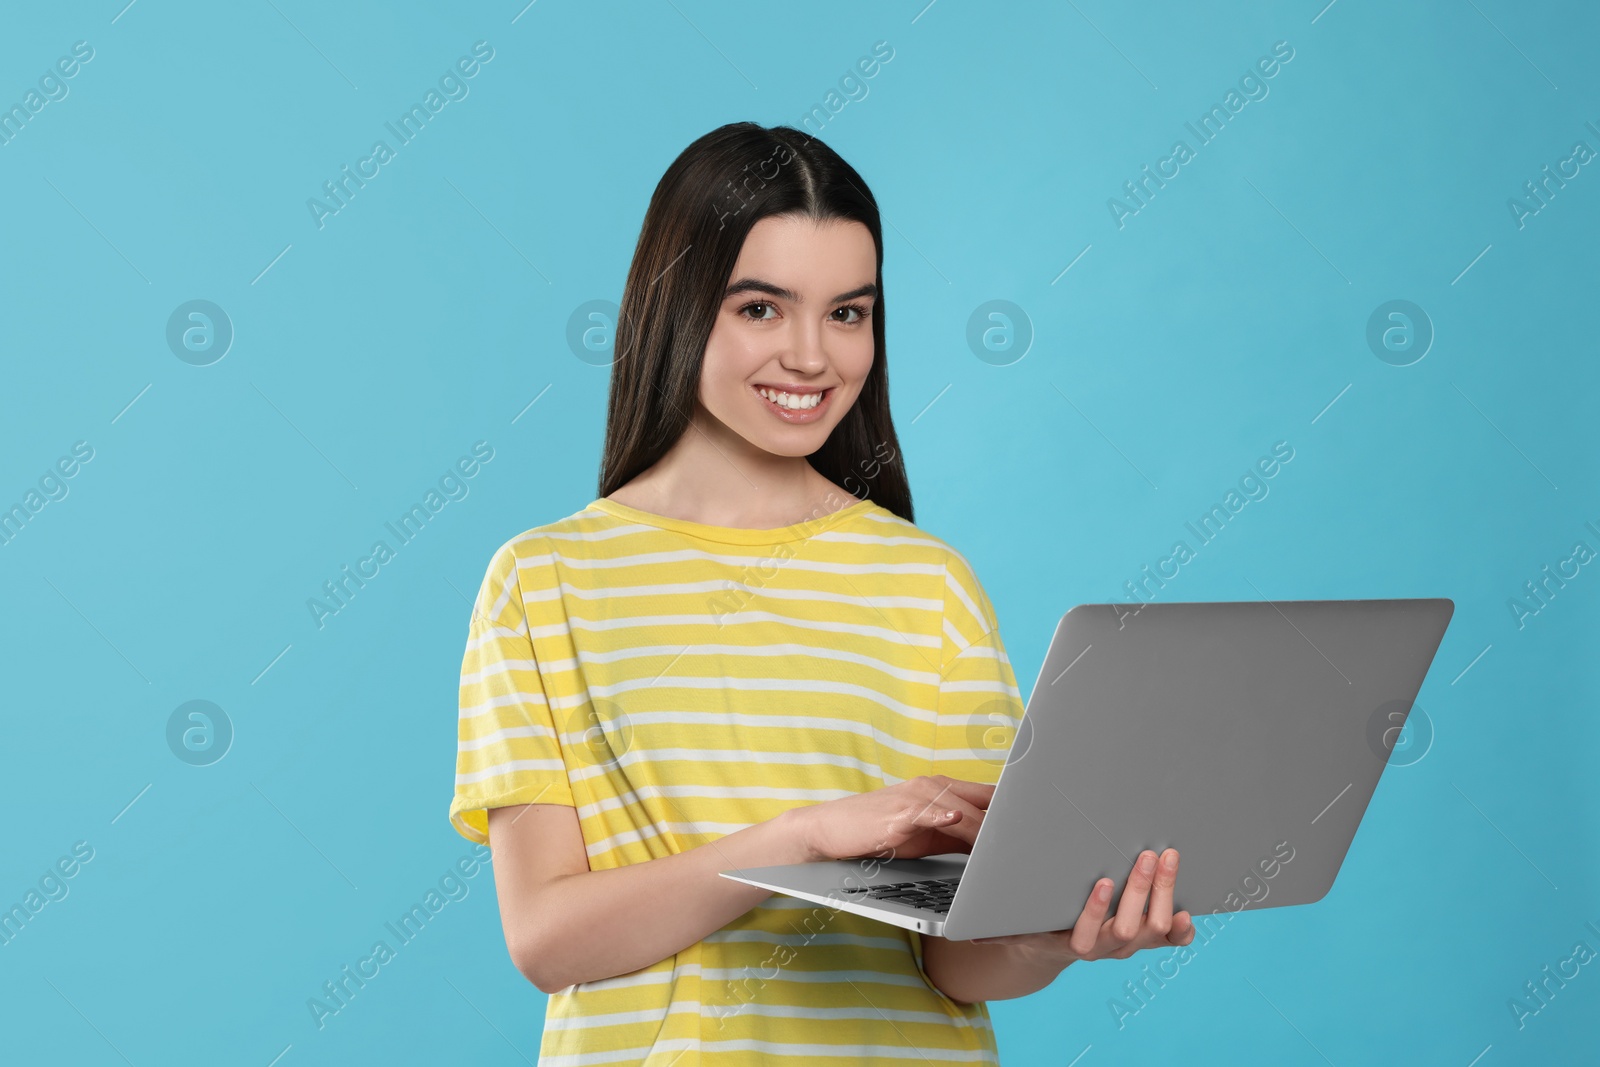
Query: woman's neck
x=720, y=479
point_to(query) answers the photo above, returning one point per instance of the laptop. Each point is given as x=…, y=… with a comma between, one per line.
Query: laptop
x=1249, y=736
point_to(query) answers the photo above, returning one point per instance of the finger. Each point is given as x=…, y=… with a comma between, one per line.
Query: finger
x=1130, y=910
x=976, y=793
x=964, y=830
x=1182, y=932
x=953, y=818
x=944, y=797
x=970, y=797
x=1159, y=919
x=1086, y=931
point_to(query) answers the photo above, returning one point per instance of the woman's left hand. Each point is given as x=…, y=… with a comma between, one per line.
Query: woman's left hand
x=1096, y=937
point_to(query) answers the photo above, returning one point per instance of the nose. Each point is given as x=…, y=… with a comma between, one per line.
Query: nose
x=804, y=354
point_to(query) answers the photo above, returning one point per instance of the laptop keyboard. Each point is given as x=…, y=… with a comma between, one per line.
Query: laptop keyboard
x=931, y=894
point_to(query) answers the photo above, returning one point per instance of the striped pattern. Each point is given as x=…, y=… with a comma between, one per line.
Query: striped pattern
x=675, y=682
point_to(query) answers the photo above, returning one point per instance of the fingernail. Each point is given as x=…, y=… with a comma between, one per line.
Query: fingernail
x=1147, y=862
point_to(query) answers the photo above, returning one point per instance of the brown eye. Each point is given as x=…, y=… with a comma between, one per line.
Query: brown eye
x=756, y=304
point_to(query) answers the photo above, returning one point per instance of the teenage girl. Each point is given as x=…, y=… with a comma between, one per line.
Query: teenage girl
x=744, y=653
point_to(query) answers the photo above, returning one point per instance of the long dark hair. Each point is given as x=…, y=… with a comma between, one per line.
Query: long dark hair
x=698, y=218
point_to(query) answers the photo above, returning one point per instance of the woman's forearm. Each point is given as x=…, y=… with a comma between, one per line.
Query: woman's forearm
x=599, y=924
x=969, y=972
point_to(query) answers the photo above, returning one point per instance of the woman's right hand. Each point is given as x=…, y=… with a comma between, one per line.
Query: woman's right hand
x=923, y=816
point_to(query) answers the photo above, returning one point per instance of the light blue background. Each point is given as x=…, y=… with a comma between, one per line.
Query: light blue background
x=371, y=353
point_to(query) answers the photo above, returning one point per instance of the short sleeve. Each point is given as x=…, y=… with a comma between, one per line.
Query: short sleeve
x=507, y=748
x=980, y=707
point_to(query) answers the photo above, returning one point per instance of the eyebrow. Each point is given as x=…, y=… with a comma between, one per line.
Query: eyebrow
x=756, y=285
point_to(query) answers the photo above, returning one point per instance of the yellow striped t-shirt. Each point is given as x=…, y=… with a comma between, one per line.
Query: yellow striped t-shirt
x=676, y=681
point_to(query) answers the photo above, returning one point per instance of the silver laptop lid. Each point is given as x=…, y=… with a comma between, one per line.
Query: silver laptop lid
x=1247, y=735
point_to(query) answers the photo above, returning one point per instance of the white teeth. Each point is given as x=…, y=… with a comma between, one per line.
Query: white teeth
x=794, y=402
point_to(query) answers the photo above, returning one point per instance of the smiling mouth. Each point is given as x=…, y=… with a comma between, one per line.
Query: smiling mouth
x=797, y=406
x=794, y=401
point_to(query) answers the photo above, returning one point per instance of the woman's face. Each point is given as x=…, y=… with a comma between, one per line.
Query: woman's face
x=792, y=342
